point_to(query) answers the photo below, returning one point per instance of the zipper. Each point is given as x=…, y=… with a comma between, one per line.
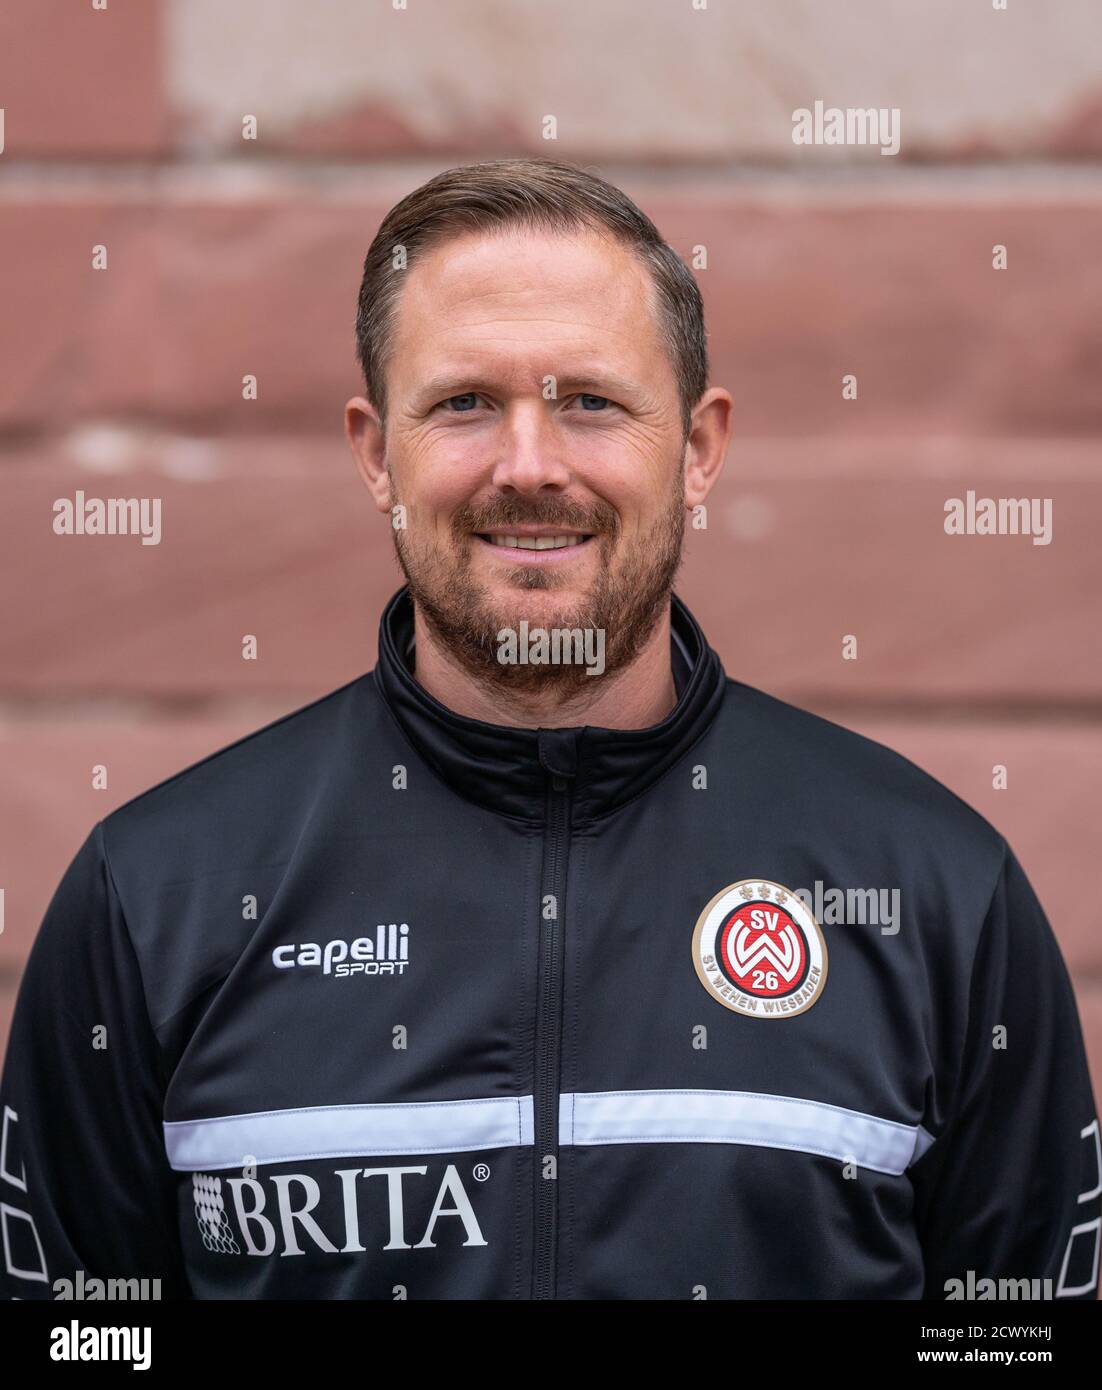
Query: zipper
x=558, y=755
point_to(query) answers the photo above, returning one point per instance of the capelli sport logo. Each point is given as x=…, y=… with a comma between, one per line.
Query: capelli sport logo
x=758, y=950
x=385, y=953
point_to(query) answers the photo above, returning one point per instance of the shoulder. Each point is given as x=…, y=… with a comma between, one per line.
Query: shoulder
x=853, y=787
x=216, y=804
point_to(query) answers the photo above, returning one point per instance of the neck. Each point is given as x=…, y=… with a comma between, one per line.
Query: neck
x=639, y=695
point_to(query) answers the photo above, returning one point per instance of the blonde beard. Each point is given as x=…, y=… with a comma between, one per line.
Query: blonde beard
x=625, y=607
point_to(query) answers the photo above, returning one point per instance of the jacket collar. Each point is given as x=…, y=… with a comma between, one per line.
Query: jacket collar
x=508, y=770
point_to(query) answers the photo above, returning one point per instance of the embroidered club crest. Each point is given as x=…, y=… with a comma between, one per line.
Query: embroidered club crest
x=758, y=950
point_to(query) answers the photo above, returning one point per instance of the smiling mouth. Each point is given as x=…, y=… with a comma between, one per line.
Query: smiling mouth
x=552, y=541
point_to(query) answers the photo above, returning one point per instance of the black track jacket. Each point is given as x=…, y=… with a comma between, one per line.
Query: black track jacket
x=382, y=1002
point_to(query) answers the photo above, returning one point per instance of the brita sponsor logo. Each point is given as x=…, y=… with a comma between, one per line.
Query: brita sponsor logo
x=399, y=1207
x=385, y=953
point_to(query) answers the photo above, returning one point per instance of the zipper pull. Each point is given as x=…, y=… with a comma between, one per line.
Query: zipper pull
x=558, y=753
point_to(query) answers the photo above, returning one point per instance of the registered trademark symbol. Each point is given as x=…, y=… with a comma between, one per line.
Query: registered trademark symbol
x=481, y=1172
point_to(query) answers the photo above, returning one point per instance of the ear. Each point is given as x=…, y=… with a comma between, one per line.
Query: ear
x=706, y=447
x=367, y=440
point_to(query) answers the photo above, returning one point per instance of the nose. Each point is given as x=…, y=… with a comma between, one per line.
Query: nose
x=529, y=456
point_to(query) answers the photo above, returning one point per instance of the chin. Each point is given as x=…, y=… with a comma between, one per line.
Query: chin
x=546, y=607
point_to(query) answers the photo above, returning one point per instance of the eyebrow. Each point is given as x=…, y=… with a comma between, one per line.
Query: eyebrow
x=452, y=383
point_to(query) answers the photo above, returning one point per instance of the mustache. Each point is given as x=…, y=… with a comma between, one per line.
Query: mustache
x=504, y=512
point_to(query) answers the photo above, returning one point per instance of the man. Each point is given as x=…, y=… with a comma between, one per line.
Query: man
x=497, y=973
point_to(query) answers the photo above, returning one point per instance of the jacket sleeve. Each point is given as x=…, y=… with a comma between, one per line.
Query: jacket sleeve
x=1012, y=1188
x=84, y=1183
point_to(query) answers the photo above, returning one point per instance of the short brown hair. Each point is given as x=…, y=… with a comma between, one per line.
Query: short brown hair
x=541, y=194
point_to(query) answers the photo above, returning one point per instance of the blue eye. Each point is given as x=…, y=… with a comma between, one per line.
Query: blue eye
x=594, y=402
x=461, y=404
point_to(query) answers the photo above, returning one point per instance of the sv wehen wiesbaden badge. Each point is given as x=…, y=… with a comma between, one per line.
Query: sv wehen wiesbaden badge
x=758, y=950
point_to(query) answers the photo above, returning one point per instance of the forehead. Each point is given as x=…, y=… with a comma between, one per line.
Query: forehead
x=533, y=298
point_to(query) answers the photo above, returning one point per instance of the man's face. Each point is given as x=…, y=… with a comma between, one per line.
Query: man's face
x=534, y=439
